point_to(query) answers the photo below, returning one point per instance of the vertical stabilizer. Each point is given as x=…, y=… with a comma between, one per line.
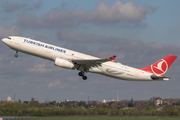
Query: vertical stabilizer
x=160, y=67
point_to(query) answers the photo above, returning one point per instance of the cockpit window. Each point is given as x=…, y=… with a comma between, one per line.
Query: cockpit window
x=9, y=38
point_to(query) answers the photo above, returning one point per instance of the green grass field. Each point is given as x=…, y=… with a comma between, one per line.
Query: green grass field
x=102, y=118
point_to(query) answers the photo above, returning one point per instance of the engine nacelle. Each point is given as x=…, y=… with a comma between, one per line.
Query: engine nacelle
x=64, y=63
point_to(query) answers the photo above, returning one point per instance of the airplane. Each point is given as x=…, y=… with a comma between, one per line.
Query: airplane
x=84, y=63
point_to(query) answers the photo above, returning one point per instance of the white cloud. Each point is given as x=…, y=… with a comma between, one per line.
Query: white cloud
x=12, y=62
x=17, y=6
x=63, y=86
x=23, y=83
x=118, y=12
x=102, y=14
x=41, y=68
x=73, y=78
x=54, y=83
x=11, y=7
x=14, y=30
x=57, y=83
x=83, y=37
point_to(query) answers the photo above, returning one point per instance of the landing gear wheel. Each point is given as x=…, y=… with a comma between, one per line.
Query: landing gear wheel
x=80, y=74
x=84, y=77
x=16, y=55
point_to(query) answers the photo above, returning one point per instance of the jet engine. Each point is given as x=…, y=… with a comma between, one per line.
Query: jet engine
x=64, y=63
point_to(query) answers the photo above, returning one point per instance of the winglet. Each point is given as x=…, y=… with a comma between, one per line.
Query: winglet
x=112, y=58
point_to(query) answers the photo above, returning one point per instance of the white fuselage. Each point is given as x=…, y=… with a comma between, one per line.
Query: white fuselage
x=51, y=52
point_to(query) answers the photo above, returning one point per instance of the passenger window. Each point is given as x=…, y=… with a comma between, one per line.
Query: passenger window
x=9, y=38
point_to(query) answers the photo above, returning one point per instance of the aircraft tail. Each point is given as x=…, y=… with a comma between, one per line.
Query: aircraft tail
x=160, y=67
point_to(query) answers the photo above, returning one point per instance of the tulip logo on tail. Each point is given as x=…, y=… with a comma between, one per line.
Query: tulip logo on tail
x=159, y=68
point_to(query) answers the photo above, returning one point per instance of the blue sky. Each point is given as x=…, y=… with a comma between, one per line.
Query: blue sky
x=139, y=32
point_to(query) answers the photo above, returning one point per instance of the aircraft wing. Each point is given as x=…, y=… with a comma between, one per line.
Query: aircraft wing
x=92, y=62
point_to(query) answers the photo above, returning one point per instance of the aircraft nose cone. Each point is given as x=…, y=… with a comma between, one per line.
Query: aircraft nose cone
x=3, y=40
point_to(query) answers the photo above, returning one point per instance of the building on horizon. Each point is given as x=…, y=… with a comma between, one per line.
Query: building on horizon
x=9, y=99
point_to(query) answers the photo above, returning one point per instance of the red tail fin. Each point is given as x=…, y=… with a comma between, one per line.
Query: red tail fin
x=161, y=66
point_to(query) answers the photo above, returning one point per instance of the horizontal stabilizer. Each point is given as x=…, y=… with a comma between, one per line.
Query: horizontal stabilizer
x=155, y=77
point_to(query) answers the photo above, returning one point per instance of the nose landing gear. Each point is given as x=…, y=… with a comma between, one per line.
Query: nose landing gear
x=16, y=55
x=83, y=75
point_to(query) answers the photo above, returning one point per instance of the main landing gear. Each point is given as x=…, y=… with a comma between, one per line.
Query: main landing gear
x=16, y=55
x=83, y=75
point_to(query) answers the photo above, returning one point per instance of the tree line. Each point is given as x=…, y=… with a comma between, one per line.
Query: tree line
x=110, y=109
